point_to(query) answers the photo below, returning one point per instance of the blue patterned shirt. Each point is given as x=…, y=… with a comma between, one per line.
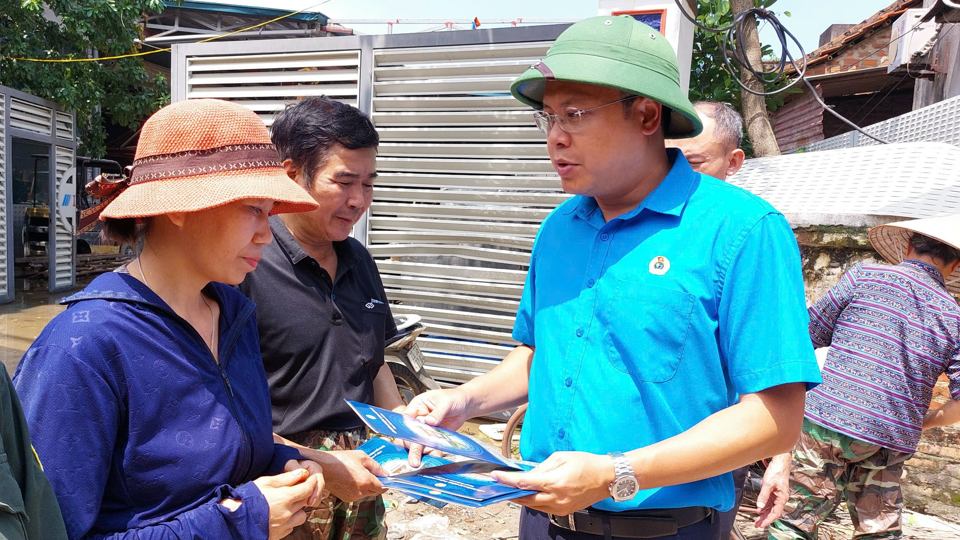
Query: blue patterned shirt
x=892, y=330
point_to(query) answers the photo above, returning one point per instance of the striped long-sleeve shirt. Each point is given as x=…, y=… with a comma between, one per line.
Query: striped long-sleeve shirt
x=892, y=330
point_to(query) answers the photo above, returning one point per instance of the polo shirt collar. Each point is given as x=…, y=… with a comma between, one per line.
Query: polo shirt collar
x=346, y=256
x=668, y=198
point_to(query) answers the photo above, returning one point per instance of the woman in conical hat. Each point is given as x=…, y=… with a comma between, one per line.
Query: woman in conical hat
x=147, y=399
x=893, y=242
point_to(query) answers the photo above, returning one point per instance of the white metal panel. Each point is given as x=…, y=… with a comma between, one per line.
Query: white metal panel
x=464, y=183
x=31, y=117
x=908, y=180
x=472, y=196
x=448, y=103
x=934, y=123
x=497, y=134
x=5, y=285
x=426, y=224
x=471, y=53
x=476, y=273
x=549, y=184
x=265, y=83
x=65, y=126
x=273, y=61
x=64, y=226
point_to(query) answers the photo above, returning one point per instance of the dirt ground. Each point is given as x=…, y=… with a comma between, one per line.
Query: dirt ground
x=408, y=519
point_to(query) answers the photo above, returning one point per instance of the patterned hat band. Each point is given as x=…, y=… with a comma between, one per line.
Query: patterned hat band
x=108, y=187
x=196, y=162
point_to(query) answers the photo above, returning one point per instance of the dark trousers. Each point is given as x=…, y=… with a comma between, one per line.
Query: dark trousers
x=727, y=518
x=536, y=526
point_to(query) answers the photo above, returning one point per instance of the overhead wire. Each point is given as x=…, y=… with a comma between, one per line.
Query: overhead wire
x=158, y=50
x=732, y=48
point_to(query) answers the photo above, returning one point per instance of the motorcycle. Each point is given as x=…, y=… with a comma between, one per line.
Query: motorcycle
x=406, y=361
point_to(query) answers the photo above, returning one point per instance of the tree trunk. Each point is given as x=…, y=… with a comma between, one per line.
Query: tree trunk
x=754, y=107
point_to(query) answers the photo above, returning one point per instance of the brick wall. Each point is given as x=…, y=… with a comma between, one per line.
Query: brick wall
x=931, y=482
x=870, y=52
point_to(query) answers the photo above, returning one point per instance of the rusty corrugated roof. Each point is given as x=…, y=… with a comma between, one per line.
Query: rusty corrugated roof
x=885, y=16
x=799, y=122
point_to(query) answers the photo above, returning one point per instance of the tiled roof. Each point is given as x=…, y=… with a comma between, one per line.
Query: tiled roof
x=885, y=16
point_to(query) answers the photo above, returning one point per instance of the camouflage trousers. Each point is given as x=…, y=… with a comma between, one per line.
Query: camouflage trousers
x=828, y=466
x=336, y=519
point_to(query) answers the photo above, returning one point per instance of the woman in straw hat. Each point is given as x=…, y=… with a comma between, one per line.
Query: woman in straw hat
x=892, y=330
x=146, y=399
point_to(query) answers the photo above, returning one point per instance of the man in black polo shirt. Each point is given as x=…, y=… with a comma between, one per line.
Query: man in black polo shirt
x=323, y=314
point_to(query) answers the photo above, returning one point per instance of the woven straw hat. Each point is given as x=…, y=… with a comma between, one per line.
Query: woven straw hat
x=194, y=155
x=891, y=240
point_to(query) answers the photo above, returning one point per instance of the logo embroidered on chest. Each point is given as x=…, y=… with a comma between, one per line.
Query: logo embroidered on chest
x=659, y=265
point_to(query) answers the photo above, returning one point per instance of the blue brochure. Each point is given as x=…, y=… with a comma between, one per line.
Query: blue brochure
x=410, y=429
x=472, y=490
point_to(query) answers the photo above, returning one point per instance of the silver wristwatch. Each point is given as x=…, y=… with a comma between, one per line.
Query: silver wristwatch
x=625, y=485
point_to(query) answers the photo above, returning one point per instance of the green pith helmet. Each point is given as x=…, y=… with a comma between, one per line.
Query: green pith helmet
x=618, y=52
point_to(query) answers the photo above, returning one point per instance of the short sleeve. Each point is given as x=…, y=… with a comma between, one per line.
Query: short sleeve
x=523, y=327
x=762, y=311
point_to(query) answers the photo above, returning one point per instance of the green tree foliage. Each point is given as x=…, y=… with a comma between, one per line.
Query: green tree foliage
x=710, y=79
x=63, y=29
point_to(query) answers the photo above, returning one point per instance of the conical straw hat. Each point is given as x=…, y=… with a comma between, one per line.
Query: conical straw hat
x=891, y=240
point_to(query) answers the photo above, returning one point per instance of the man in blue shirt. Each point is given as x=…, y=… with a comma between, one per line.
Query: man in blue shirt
x=653, y=299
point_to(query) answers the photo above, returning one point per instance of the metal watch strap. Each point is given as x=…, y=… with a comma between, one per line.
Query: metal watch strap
x=621, y=466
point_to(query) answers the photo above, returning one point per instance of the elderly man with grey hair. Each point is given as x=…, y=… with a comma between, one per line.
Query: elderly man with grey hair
x=716, y=151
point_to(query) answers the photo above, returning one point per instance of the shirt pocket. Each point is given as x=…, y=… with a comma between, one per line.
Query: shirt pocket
x=372, y=320
x=11, y=503
x=647, y=330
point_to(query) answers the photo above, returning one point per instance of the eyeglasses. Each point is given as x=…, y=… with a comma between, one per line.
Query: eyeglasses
x=568, y=119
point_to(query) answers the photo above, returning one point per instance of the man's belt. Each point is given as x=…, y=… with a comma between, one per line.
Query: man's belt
x=634, y=523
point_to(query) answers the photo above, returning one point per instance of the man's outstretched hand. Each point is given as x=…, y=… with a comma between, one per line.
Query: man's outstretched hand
x=443, y=408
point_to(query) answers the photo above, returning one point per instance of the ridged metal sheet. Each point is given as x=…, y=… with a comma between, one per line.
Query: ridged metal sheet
x=265, y=83
x=63, y=274
x=65, y=126
x=908, y=180
x=31, y=117
x=798, y=123
x=935, y=123
x=465, y=182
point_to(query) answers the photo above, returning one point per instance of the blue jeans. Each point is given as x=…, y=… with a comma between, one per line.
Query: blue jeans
x=536, y=526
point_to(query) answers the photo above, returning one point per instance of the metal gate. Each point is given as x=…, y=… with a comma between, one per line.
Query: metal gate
x=464, y=177
x=30, y=118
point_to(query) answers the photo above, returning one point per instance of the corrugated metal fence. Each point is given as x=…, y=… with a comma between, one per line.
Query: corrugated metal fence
x=464, y=176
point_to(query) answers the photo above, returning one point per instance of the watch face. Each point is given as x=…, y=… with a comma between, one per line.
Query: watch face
x=625, y=489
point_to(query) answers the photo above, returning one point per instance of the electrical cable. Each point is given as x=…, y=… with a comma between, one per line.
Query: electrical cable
x=733, y=47
x=166, y=49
